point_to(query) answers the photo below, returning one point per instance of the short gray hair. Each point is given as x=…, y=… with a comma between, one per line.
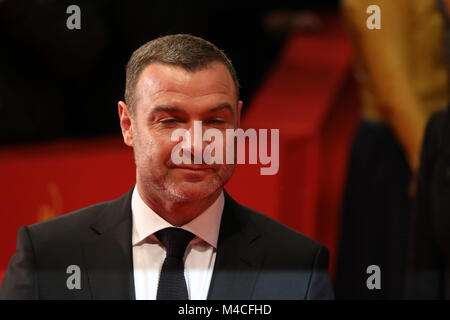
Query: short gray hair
x=183, y=50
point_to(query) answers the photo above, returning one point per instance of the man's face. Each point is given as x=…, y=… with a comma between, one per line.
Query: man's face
x=169, y=98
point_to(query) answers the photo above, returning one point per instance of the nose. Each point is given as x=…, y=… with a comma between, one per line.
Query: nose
x=193, y=145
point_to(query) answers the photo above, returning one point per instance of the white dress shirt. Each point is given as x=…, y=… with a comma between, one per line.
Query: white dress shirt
x=149, y=254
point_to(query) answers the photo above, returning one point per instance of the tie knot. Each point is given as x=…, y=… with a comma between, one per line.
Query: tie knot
x=175, y=240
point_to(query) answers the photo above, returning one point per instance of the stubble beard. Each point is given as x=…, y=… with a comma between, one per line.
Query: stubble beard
x=180, y=191
x=165, y=187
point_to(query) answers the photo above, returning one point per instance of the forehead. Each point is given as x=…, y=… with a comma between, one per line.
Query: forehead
x=161, y=82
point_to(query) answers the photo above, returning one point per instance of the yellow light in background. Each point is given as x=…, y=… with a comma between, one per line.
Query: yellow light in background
x=47, y=211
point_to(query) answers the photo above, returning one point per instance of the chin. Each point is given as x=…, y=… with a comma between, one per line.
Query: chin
x=193, y=191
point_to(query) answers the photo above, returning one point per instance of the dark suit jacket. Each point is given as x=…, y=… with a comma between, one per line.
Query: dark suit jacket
x=257, y=258
x=429, y=263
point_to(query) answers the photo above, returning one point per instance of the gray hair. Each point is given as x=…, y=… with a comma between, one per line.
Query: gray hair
x=183, y=50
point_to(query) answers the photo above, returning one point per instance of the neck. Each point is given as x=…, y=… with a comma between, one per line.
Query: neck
x=177, y=213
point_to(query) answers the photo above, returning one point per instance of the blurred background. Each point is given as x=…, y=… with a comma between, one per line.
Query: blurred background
x=351, y=104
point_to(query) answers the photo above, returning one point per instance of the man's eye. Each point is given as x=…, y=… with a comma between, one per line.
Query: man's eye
x=216, y=121
x=168, y=121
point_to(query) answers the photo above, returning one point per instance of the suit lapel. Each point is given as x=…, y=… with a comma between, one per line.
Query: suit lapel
x=109, y=257
x=239, y=255
x=108, y=253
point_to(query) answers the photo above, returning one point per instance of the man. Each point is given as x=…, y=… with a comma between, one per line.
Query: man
x=177, y=234
x=428, y=265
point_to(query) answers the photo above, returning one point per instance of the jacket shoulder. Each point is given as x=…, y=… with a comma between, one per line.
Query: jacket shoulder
x=74, y=226
x=71, y=220
x=282, y=237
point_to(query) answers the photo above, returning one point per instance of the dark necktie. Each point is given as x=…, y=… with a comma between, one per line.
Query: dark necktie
x=172, y=284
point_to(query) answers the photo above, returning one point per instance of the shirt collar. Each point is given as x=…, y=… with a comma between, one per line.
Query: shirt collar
x=146, y=221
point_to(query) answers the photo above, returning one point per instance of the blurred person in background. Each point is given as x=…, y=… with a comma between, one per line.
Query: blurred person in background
x=403, y=79
x=429, y=252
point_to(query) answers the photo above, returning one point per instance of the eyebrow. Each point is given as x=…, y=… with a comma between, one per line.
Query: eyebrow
x=168, y=108
x=223, y=106
x=165, y=109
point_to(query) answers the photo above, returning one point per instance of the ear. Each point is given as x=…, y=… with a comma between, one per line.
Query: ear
x=126, y=123
x=239, y=112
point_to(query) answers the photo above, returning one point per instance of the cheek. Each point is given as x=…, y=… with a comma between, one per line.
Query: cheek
x=154, y=148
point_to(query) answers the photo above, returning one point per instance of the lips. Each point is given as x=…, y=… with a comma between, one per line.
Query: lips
x=195, y=168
